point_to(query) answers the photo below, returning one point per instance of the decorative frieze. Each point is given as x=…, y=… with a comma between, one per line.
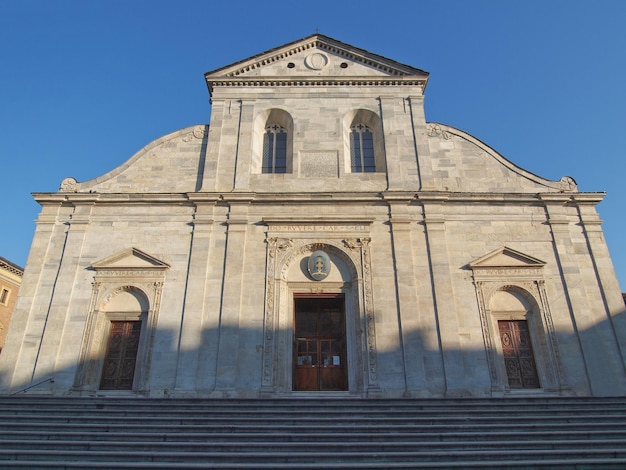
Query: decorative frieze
x=320, y=228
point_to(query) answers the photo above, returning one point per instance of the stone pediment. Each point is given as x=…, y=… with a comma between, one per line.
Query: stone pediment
x=314, y=59
x=506, y=258
x=507, y=265
x=130, y=259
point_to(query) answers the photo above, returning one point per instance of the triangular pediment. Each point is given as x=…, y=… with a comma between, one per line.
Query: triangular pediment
x=506, y=258
x=131, y=258
x=315, y=58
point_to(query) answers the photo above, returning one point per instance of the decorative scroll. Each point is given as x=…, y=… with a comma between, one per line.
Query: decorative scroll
x=435, y=130
x=567, y=183
x=69, y=185
x=198, y=132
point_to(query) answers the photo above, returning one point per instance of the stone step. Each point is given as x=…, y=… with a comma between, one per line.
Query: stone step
x=361, y=434
x=159, y=435
x=336, y=448
x=288, y=427
x=76, y=403
x=302, y=420
x=544, y=463
x=121, y=457
x=322, y=410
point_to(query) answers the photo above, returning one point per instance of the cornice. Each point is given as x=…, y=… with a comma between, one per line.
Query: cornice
x=111, y=198
x=316, y=82
x=443, y=197
x=396, y=72
x=320, y=42
x=575, y=198
x=9, y=267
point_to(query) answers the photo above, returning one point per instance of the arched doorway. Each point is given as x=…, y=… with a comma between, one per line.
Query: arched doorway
x=520, y=334
x=118, y=369
x=319, y=333
x=124, y=317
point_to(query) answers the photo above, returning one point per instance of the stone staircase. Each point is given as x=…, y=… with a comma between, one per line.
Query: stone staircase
x=317, y=432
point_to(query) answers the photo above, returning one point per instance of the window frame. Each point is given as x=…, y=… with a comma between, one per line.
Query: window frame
x=359, y=120
x=4, y=296
x=362, y=156
x=274, y=156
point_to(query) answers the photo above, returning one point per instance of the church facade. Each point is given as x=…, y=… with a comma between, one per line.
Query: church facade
x=318, y=237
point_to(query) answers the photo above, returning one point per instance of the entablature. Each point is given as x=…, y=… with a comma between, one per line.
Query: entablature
x=318, y=224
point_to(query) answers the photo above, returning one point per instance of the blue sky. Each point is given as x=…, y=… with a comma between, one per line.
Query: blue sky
x=84, y=84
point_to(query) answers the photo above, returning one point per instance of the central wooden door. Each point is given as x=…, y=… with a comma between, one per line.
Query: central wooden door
x=320, y=343
x=118, y=371
x=517, y=350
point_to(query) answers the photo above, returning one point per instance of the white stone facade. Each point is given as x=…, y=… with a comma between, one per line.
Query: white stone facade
x=431, y=255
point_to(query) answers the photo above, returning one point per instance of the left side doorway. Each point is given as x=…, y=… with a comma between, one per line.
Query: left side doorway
x=118, y=370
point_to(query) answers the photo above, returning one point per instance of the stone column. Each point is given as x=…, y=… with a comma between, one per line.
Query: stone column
x=228, y=145
x=31, y=310
x=444, y=298
x=209, y=177
x=65, y=320
x=232, y=294
x=420, y=138
x=274, y=248
x=195, y=334
x=602, y=358
x=399, y=144
x=244, y=147
x=408, y=317
x=604, y=271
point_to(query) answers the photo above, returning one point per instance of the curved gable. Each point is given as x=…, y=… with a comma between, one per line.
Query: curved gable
x=461, y=162
x=172, y=164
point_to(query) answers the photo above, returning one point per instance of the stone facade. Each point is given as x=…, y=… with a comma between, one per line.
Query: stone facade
x=454, y=272
x=10, y=280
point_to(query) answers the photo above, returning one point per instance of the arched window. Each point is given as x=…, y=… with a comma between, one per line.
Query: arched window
x=362, y=149
x=274, y=149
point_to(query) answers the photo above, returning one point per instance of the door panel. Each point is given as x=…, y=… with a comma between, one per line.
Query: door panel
x=306, y=364
x=119, y=363
x=332, y=375
x=319, y=344
x=517, y=350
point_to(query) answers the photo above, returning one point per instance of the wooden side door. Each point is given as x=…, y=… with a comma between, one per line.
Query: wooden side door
x=517, y=350
x=121, y=356
x=319, y=344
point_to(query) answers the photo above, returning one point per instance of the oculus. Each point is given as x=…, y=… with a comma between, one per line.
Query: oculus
x=316, y=61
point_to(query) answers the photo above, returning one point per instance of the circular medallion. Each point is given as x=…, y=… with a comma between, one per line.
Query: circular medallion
x=316, y=61
x=319, y=265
